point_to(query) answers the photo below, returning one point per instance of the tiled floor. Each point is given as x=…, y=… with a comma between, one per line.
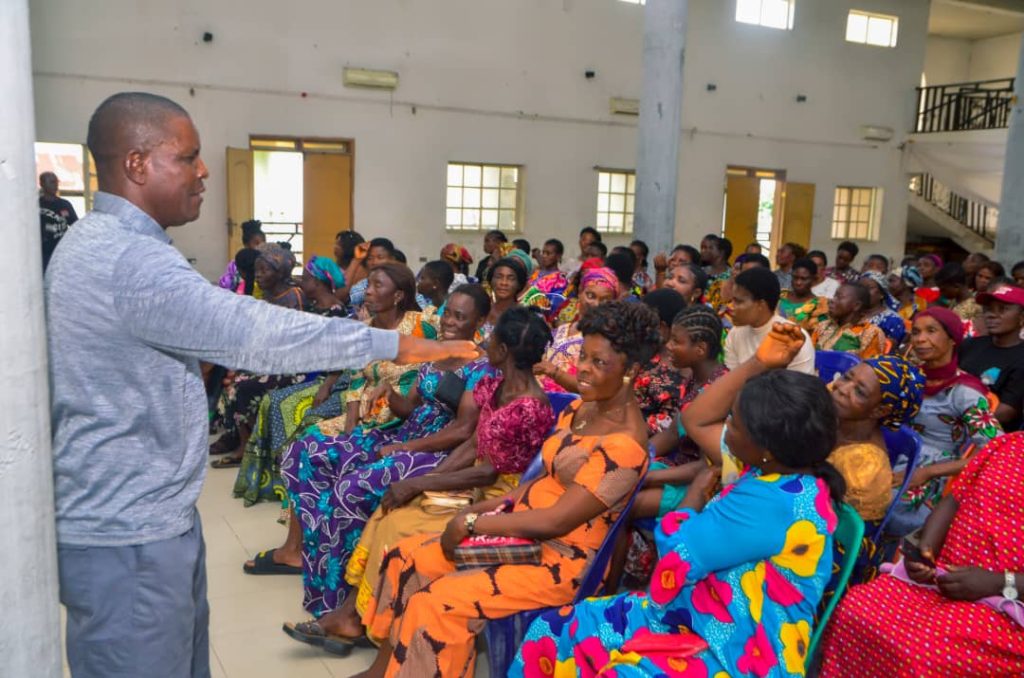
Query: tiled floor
x=246, y=612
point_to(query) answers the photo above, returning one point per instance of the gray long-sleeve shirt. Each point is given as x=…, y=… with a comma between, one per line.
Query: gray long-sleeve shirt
x=129, y=320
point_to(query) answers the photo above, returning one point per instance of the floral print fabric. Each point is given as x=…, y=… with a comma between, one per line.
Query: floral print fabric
x=660, y=388
x=862, y=339
x=752, y=603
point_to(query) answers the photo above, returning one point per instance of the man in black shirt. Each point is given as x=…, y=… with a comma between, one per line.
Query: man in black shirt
x=55, y=214
x=998, y=359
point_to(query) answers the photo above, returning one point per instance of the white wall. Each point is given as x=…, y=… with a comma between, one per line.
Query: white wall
x=492, y=80
x=947, y=60
x=753, y=118
x=995, y=58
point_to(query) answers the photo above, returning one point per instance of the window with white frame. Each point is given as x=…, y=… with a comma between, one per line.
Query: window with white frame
x=483, y=197
x=856, y=212
x=768, y=13
x=616, y=195
x=868, y=28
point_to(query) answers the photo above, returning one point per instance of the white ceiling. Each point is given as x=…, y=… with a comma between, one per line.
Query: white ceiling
x=976, y=19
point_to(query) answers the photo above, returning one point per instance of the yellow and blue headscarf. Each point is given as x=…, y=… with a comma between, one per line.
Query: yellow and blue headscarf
x=326, y=271
x=902, y=389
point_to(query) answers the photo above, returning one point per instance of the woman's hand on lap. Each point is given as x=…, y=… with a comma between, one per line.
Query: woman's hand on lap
x=969, y=583
x=398, y=495
x=453, y=535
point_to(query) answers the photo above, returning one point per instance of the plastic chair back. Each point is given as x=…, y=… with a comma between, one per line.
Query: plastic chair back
x=849, y=533
x=559, y=401
x=904, y=444
x=504, y=636
x=832, y=363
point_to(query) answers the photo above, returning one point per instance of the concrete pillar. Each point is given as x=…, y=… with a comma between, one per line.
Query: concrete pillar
x=657, y=163
x=30, y=622
x=1010, y=238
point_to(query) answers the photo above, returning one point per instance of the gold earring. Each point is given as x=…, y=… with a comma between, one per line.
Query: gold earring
x=626, y=380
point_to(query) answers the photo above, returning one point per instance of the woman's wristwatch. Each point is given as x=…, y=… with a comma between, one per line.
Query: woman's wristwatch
x=1010, y=591
x=470, y=522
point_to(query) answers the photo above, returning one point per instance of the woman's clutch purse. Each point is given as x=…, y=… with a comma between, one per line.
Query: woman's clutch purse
x=483, y=550
x=442, y=502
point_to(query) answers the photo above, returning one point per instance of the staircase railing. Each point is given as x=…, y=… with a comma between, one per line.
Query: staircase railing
x=964, y=106
x=976, y=216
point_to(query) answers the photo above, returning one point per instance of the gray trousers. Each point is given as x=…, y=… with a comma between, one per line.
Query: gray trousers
x=137, y=611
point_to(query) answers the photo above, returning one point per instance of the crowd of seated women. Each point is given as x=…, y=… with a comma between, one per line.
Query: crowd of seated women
x=697, y=403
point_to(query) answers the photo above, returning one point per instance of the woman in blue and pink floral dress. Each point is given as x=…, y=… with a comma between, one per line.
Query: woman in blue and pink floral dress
x=738, y=581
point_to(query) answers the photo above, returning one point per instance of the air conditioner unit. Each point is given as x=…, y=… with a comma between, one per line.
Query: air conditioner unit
x=620, y=106
x=875, y=133
x=362, y=77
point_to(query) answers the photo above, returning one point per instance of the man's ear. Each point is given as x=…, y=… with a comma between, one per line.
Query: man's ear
x=136, y=166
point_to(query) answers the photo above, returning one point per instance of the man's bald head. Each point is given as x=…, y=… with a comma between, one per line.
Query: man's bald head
x=147, y=152
x=129, y=121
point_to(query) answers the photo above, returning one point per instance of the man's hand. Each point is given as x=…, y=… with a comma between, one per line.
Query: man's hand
x=415, y=350
x=781, y=346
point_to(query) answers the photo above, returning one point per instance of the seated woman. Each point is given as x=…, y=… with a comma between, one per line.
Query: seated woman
x=998, y=357
x=515, y=418
x=955, y=415
x=506, y=280
x=660, y=385
x=459, y=259
x=689, y=280
x=370, y=255
x=240, y=401
x=882, y=311
x=426, y=613
x=847, y=328
x=258, y=479
x=326, y=453
x=949, y=611
x=695, y=346
x=799, y=304
x=739, y=577
x=557, y=371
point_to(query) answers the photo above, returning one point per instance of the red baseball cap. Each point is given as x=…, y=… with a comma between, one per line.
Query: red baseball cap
x=1008, y=294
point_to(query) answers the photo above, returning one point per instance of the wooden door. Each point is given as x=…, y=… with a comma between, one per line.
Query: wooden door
x=326, y=201
x=241, y=203
x=798, y=214
x=741, y=199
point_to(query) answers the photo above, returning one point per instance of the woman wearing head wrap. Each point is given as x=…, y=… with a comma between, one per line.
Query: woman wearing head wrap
x=883, y=309
x=274, y=274
x=883, y=392
x=459, y=259
x=928, y=265
x=955, y=416
x=903, y=282
x=557, y=372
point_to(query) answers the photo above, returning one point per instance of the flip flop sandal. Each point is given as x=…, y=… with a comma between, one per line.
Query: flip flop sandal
x=264, y=563
x=342, y=646
x=308, y=632
x=226, y=462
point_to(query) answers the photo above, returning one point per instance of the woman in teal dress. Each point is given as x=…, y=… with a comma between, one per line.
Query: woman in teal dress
x=739, y=580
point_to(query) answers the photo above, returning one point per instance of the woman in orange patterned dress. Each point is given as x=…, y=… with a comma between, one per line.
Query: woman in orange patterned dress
x=426, y=613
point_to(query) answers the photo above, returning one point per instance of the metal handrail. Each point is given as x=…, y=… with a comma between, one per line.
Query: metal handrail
x=955, y=107
x=975, y=215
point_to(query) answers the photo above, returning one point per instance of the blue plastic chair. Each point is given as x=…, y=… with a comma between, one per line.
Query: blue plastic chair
x=905, y=444
x=504, y=636
x=832, y=363
x=560, y=401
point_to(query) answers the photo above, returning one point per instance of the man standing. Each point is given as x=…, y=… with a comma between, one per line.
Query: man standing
x=55, y=214
x=129, y=320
